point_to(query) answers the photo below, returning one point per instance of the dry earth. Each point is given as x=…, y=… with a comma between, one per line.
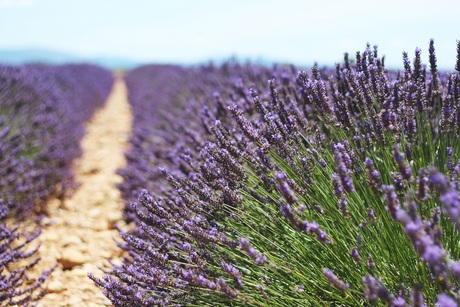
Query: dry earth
x=79, y=231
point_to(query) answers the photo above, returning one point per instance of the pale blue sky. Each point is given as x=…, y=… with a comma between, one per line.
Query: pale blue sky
x=188, y=31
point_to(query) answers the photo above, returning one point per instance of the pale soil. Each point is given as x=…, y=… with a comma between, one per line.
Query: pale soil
x=79, y=231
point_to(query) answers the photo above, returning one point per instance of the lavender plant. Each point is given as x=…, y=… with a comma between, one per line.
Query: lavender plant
x=17, y=288
x=327, y=188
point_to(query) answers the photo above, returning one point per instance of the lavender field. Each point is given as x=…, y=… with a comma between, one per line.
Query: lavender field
x=247, y=184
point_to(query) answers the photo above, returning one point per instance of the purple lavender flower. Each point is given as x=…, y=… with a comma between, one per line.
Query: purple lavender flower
x=450, y=158
x=371, y=215
x=445, y=300
x=455, y=269
x=335, y=281
x=449, y=197
x=373, y=175
x=262, y=292
x=284, y=188
x=435, y=256
x=404, y=168
x=226, y=289
x=337, y=184
x=398, y=182
x=391, y=199
x=258, y=257
x=433, y=66
x=309, y=227
x=342, y=162
x=234, y=272
x=343, y=206
x=398, y=302
x=374, y=290
x=422, y=186
x=417, y=299
x=457, y=64
x=355, y=255
x=371, y=288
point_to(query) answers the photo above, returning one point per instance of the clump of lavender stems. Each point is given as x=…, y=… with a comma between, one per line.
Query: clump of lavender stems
x=329, y=187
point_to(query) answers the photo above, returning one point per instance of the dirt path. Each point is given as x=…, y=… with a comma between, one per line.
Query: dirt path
x=80, y=230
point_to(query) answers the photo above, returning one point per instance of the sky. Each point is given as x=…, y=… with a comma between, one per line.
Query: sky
x=192, y=31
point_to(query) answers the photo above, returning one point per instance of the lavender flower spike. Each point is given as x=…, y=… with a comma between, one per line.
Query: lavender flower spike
x=449, y=197
x=258, y=257
x=284, y=188
x=445, y=300
x=404, y=168
x=417, y=298
x=342, y=160
x=373, y=290
x=335, y=281
x=373, y=175
x=393, y=205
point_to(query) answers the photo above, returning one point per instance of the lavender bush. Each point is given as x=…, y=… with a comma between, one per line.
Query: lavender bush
x=324, y=188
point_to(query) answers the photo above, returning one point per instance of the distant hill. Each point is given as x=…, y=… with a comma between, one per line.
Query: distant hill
x=24, y=56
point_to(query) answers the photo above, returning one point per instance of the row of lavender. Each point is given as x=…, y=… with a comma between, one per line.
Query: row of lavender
x=43, y=110
x=152, y=94
x=288, y=188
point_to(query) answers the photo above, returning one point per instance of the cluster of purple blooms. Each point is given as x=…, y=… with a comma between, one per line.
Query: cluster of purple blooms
x=43, y=110
x=334, y=187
